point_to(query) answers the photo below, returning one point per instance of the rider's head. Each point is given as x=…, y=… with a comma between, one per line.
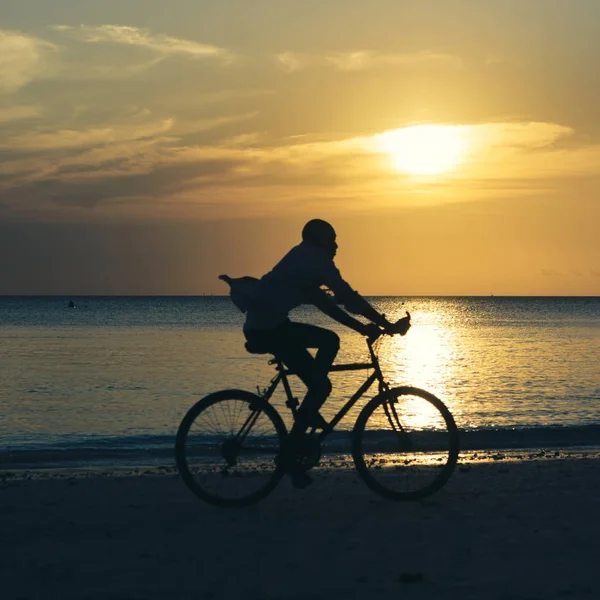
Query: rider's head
x=321, y=234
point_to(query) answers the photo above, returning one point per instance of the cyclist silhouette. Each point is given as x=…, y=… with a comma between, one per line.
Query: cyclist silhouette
x=299, y=278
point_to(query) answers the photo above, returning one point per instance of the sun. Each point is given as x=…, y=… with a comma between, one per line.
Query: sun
x=425, y=149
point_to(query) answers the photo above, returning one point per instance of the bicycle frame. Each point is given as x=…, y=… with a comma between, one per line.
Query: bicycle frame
x=292, y=403
x=200, y=460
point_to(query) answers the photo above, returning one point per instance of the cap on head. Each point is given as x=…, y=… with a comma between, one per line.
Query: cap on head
x=321, y=234
x=318, y=231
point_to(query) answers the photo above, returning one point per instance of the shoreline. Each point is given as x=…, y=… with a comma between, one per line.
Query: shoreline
x=124, y=469
x=501, y=529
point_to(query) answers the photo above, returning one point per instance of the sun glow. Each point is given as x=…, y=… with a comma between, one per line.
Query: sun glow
x=425, y=149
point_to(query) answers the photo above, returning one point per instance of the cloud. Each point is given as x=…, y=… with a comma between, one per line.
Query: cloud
x=292, y=61
x=137, y=144
x=551, y=273
x=116, y=71
x=572, y=273
x=133, y=36
x=72, y=138
x=509, y=151
x=141, y=144
x=530, y=135
x=528, y=151
x=361, y=60
x=23, y=58
x=163, y=160
x=19, y=112
x=140, y=126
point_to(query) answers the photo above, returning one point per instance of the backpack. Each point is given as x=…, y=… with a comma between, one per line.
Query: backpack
x=243, y=291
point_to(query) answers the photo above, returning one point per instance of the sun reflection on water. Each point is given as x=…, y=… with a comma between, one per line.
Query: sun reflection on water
x=426, y=357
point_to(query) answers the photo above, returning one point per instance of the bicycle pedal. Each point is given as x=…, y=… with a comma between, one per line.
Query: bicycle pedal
x=292, y=403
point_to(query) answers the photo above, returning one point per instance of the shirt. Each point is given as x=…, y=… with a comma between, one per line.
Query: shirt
x=296, y=278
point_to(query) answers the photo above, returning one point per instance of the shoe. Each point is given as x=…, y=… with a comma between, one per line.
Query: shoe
x=300, y=478
x=292, y=466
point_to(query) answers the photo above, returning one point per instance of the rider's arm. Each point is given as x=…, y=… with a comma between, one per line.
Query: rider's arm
x=327, y=305
x=351, y=299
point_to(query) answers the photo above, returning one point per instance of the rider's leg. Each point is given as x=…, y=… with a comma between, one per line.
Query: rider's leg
x=308, y=412
x=290, y=346
x=299, y=360
x=289, y=342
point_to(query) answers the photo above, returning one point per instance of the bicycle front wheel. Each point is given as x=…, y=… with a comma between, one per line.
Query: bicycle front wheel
x=405, y=444
x=226, y=448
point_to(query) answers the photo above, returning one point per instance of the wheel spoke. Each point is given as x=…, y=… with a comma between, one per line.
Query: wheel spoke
x=405, y=444
x=226, y=448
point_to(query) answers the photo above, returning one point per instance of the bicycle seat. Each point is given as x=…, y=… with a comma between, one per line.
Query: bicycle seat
x=255, y=348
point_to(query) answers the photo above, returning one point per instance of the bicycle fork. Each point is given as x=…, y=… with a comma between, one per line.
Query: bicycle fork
x=389, y=408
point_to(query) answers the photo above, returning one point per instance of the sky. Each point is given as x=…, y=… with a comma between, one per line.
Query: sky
x=148, y=146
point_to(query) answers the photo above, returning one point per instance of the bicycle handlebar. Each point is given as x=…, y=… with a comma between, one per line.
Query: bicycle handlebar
x=401, y=326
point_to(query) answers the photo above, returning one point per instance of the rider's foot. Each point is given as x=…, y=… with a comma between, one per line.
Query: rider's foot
x=290, y=459
x=299, y=477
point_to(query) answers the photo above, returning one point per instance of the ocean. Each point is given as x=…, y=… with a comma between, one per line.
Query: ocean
x=105, y=382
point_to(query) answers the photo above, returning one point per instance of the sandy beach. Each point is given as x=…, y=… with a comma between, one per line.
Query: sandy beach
x=507, y=527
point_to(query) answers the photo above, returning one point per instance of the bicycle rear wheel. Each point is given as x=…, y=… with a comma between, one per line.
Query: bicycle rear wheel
x=405, y=444
x=226, y=447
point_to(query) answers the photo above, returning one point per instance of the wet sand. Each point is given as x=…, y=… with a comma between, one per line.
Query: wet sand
x=506, y=527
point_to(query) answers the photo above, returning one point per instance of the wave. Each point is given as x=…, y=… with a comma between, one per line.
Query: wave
x=144, y=450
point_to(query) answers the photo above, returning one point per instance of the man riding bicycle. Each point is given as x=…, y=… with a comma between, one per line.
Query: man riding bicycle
x=299, y=278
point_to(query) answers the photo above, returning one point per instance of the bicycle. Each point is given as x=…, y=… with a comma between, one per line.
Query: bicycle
x=228, y=442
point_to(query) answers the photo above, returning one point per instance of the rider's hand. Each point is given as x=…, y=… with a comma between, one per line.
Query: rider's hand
x=371, y=331
x=401, y=326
